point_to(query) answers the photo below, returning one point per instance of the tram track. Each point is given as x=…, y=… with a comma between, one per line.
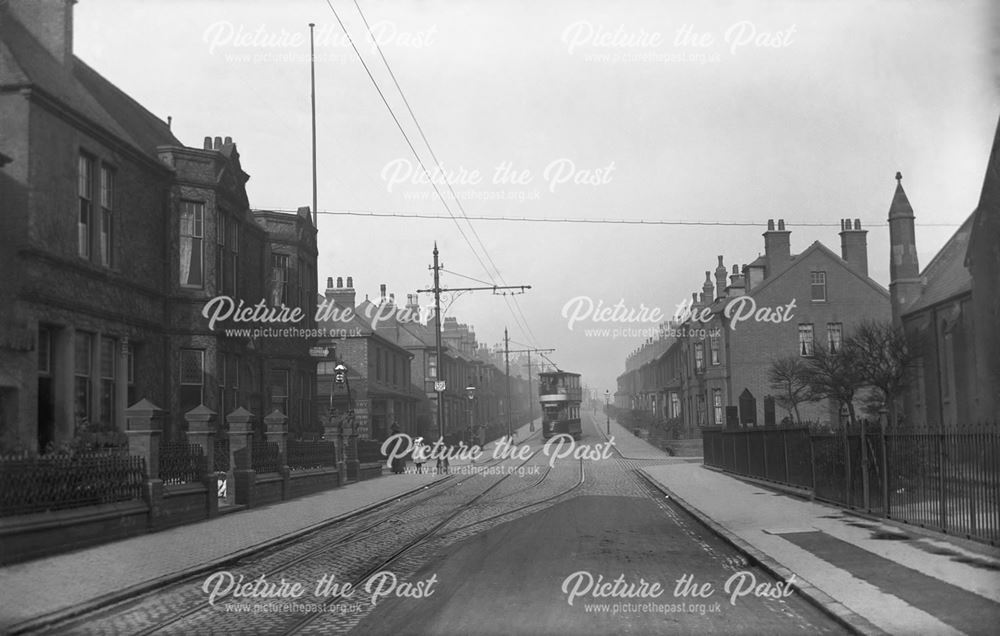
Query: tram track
x=345, y=531
x=318, y=548
x=359, y=580
x=314, y=546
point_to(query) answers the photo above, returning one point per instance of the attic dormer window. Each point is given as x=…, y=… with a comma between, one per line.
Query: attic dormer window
x=818, y=286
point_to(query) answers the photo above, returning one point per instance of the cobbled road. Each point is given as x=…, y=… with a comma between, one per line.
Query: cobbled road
x=499, y=548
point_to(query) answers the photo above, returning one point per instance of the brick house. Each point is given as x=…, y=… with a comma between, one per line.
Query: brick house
x=116, y=235
x=701, y=367
x=378, y=369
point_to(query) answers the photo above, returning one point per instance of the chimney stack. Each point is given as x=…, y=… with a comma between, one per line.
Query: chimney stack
x=736, y=285
x=720, y=280
x=854, y=245
x=777, y=247
x=50, y=22
x=342, y=296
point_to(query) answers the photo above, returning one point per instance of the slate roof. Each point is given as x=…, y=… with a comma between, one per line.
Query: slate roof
x=25, y=63
x=946, y=275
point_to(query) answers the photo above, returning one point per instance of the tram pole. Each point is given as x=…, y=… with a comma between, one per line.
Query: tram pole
x=506, y=357
x=439, y=349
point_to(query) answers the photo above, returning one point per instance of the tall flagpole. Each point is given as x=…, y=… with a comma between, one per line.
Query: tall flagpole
x=312, y=77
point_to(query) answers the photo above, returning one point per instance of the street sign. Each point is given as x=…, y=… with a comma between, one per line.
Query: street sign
x=318, y=352
x=439, y=386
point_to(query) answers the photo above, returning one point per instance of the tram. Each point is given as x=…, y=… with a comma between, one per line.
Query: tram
x=560, y=395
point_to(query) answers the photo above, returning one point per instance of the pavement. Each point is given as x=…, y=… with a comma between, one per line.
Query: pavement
x=38, y=592
x=873, y=576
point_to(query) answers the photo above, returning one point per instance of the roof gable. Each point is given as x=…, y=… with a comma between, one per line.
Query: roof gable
x=798, y=259
x=24, y=62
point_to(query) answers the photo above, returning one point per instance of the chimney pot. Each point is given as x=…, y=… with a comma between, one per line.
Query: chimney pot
x=208, y=143
x=770, y=225
x=781, y=225
x=229, y=140
x=381, y=289
x=340, y=282
x=854, y=246
x=329, y=282
x=350, y=283
x=218, y=143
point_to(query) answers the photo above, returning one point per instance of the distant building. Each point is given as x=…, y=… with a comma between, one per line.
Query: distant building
x=950, y=310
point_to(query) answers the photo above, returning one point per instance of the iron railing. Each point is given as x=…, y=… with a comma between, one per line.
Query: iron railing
x=265, y=457
x=946, y=481
x=302, y=455
x=56, y=482
x=181, y=462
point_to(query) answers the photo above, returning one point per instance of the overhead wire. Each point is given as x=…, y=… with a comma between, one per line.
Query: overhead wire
x=437, y=162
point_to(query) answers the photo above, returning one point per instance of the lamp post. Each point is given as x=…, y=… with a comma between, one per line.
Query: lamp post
x=340, y=377
x=470, y=392
x=607, y=412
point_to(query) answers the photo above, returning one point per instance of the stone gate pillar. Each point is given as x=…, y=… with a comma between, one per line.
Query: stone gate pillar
x=242, y=477
x=201, y=431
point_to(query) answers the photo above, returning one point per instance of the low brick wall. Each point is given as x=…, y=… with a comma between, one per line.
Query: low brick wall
x=27, y=537
x=313, y=480
x=269, y=488
x=181, y=504
x=370, y=470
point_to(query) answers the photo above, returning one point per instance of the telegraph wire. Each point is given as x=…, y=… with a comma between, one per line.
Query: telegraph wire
x=588, y=221
x=437, y=162
x=410, y=144
x=403, y=132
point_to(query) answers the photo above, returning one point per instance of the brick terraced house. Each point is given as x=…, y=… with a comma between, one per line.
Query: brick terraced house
x=699, y=368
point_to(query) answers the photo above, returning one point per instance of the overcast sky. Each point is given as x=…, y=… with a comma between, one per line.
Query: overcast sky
x=710, y=111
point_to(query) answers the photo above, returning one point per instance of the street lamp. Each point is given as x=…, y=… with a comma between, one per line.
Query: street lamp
x=339, y=377
x=607, y=412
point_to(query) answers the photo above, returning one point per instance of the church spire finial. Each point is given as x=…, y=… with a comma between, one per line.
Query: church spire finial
x=899, y=176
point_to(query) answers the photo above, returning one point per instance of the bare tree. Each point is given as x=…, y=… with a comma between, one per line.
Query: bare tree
x=884, y=359
x=789, y=377
x=835, y=375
